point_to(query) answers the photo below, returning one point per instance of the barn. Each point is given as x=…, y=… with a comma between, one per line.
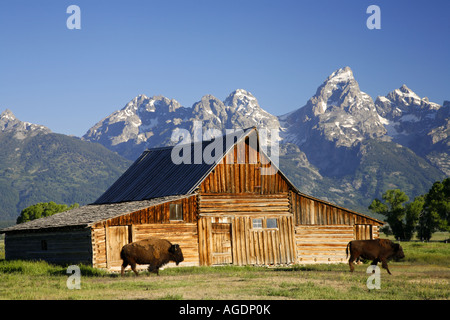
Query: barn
x=238, y=209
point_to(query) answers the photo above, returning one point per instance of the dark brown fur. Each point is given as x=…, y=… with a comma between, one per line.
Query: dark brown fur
x=153, y=251
x=379, y=250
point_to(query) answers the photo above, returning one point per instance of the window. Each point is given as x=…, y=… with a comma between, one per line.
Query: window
x=257, y=223
x=272, y=223
x=176, y=211
x=43, y=244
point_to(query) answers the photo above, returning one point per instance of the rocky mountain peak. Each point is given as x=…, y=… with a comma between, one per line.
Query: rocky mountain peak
x=416, y=122
x=9, y=122
x=7, y=114
x=403, y=101
x=341, y=90
x=339, y=113
x=341, y=75
x=7, y=119
x=160, y=104
x=241, y=99
x=405, y=89
x=244, y=111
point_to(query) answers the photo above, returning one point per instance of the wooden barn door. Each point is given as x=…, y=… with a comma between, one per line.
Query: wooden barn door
x=269, y=243
x=116, y=238
x=221, y=243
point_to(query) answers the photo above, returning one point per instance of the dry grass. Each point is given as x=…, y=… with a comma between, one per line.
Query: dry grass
x=424, y=275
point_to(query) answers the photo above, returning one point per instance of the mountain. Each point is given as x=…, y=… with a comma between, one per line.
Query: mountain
x=149, y=122
x=142, y=123
x=418, y=124
x=21, y=129
x=341, y=146
x=37, y=165
x=333, y=123
x=339, y=113
x=366, y=147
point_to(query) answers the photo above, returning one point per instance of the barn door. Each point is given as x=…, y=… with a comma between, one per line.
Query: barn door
x=116, y=238
x=221, y=243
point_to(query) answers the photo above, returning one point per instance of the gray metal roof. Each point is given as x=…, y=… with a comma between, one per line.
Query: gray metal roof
x=155, y=174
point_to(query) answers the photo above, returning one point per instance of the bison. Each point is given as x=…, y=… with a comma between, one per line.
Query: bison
x=376, y=250
x=153, y=251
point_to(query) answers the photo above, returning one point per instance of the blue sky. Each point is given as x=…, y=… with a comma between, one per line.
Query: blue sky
x=280, y=51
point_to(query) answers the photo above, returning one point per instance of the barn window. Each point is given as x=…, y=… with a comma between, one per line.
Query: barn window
x=257, y=223
x=272, y=223
x=176, y=211
x=43, y=244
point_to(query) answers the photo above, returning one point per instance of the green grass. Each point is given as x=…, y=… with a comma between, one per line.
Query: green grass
x=423, y=275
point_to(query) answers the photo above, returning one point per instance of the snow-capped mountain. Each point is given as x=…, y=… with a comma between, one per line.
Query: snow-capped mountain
x=339, y=112
x=149, y=122
x=333, y=123
x=341, y=145
x=407, y=117
x=418, y=124
x=246, y=112
x=21, y=129
x=142, y=123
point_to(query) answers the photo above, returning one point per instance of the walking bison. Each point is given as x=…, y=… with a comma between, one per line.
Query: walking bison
x=379, y=250
x=153, y=251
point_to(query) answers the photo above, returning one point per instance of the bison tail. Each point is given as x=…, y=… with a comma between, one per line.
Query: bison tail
x=349, y=245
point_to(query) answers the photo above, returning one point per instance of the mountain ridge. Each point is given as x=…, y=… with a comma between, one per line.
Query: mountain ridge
x=329, y=135
x=341, y=145
x=37, y=165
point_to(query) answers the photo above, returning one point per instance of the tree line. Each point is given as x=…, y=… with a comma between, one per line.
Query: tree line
x=43, y=209
x=425, y=215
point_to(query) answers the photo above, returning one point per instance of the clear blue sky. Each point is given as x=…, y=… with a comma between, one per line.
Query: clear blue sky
x=281, y=51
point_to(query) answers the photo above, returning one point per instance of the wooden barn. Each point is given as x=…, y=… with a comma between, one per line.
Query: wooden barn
x=238, y=209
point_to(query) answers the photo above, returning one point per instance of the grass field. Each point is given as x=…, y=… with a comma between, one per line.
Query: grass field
x=424, y=274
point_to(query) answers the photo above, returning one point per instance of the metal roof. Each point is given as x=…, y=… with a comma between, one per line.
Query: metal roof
x=155, y=174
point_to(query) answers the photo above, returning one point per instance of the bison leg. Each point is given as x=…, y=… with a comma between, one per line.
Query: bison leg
x=385, y=266
x=122, y=268
x=133, y=267
x=350, y=263
x=153, y=269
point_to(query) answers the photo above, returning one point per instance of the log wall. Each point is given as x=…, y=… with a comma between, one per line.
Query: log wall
x=366, y=232
x=308, y=211
x=322, y=244
x=155, y=214
x=230, y=204
x=71, y=246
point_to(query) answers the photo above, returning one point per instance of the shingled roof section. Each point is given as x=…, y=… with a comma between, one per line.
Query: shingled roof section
x=88, y=215
x=154, y=174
